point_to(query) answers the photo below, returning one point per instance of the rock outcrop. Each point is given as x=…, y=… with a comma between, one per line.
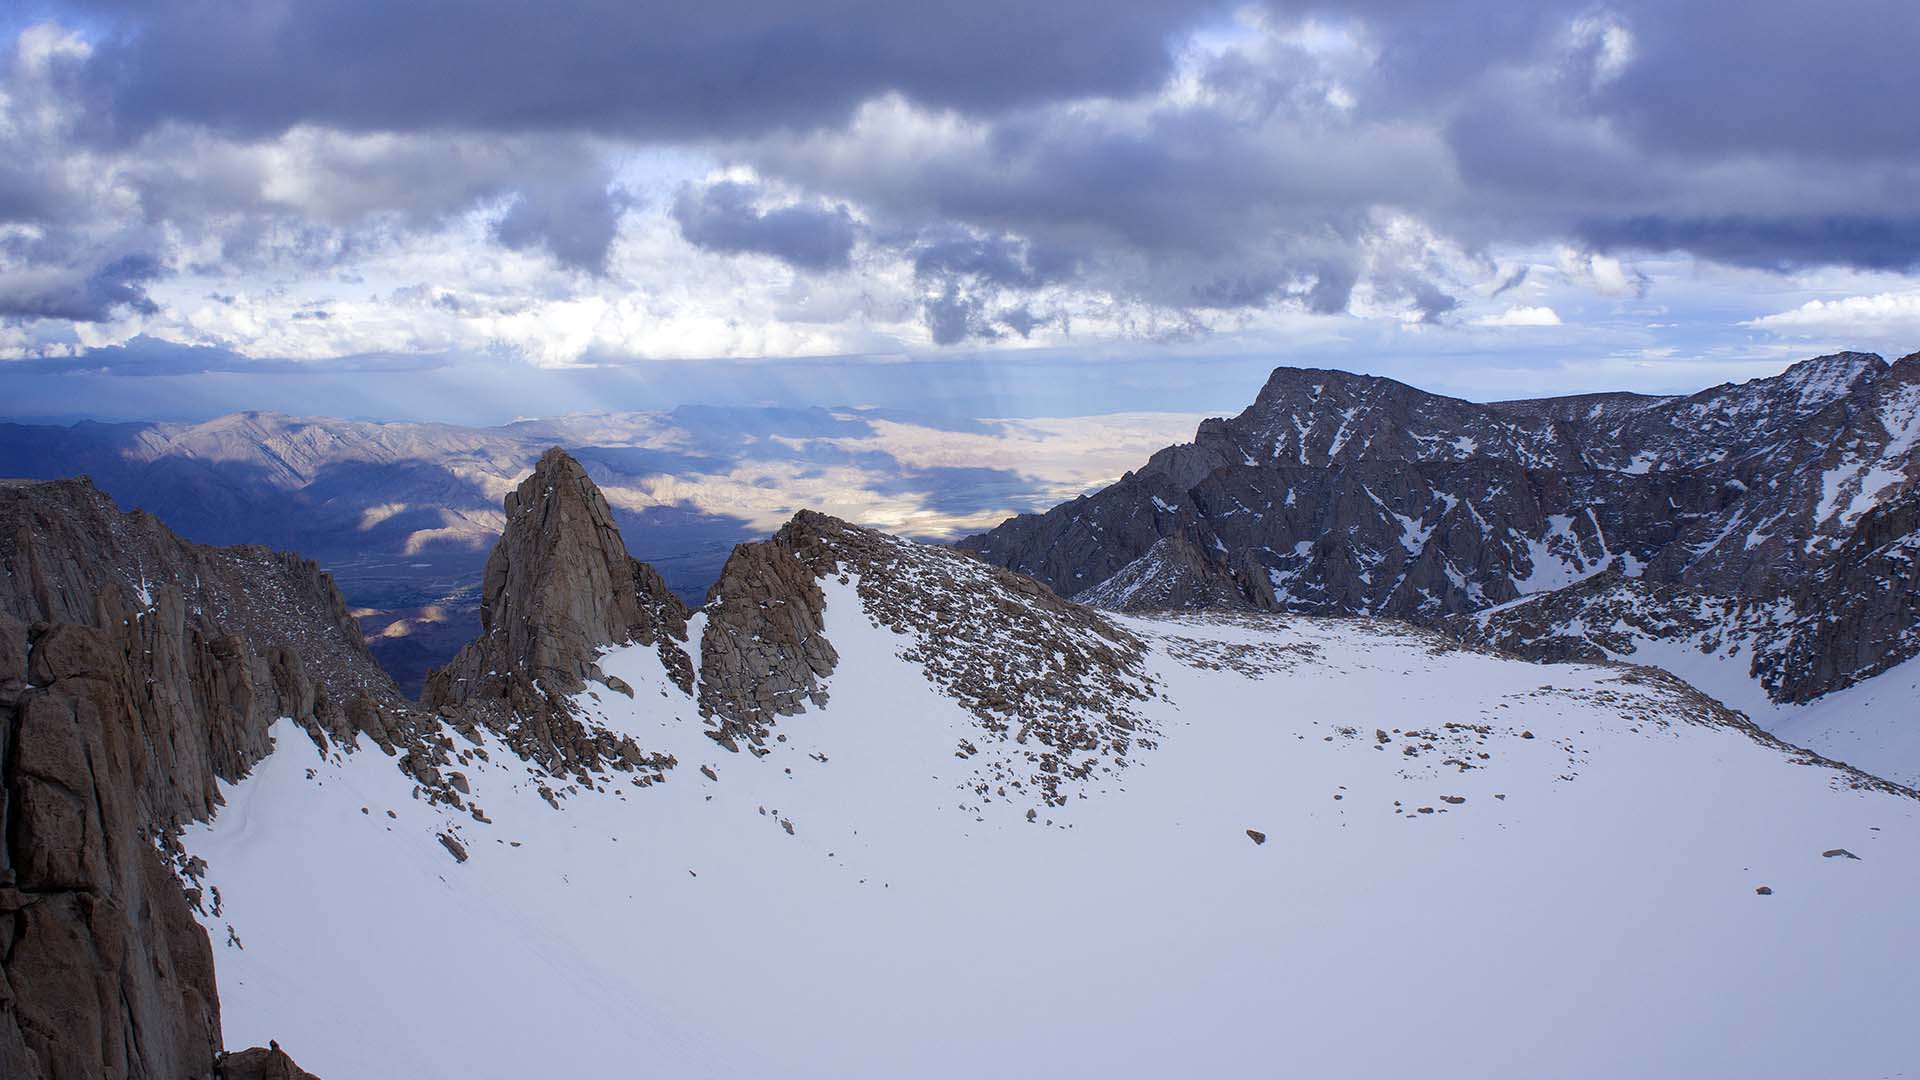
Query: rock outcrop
x=1053, y=686
x=763, y=652
x=559, y=588
x=136, y=671
x=1174, y=573
x=262, y=1063
x=1860, y=613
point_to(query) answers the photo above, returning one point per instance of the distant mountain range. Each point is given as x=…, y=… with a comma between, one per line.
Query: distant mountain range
x=1776, y=517
x=403, y=514
x=1759, y=539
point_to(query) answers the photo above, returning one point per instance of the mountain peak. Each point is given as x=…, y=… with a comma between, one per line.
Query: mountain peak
x=1824, y=379
x=558, y=588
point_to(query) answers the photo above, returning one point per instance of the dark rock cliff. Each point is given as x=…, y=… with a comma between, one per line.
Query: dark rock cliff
x=137, y=671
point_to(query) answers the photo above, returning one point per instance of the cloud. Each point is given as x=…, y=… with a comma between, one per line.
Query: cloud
x=1604, y=274
x=658, y=180
x=1521, y=316
x=1850, y=316
x=726, y=216
x=1778, y=243
x=576, y=223
x=651, y=70
x=78, y=293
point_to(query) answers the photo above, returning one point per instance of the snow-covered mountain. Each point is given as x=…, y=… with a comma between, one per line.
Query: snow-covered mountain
x=1782, y=512
x=880, y=808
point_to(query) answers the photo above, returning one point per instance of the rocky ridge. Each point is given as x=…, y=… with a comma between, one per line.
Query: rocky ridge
x=137, y=671
x=1345, y=494
x=1053, y=685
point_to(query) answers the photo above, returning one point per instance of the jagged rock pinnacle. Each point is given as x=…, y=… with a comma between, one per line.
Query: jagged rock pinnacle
x=559, y=588
x=560, y=585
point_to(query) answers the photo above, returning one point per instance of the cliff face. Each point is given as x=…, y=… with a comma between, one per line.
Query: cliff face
x=559, y=588
x=136, y=671
x=1861, y=614
x=559, y=584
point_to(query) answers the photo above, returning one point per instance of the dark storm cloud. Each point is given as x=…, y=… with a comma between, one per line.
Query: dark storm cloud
x=80, y=295
x=646, y=69
x=1005, y=151
x=1177, y=207
x=723, y=217
x=575, y=224
x=953, y=316
x=1709, y=79
x=1006, y=261
x=1628, y=127
x=1783, y=243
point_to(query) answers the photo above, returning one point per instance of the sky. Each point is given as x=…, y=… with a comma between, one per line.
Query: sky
x=480, y=210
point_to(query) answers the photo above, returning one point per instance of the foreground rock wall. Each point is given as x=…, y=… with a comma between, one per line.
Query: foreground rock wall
x=136, y=672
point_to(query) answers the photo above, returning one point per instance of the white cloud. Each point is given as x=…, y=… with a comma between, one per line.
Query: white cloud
x=1521, y=316
x=1881, y=313
x=1603, y=274
x=1610, y=44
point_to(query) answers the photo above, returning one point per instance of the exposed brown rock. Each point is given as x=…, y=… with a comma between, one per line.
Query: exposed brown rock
x=1052, y=684
x=559, y=588
x=262, y=1063
x=764, y=652
x=136, y=671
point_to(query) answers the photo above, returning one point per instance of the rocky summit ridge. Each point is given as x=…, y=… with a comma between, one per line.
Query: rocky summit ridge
x=1335, y=493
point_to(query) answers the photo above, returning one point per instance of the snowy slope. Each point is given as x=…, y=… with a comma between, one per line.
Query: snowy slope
x=1872, y=725
x=1588, y=909
x=1732, y=649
